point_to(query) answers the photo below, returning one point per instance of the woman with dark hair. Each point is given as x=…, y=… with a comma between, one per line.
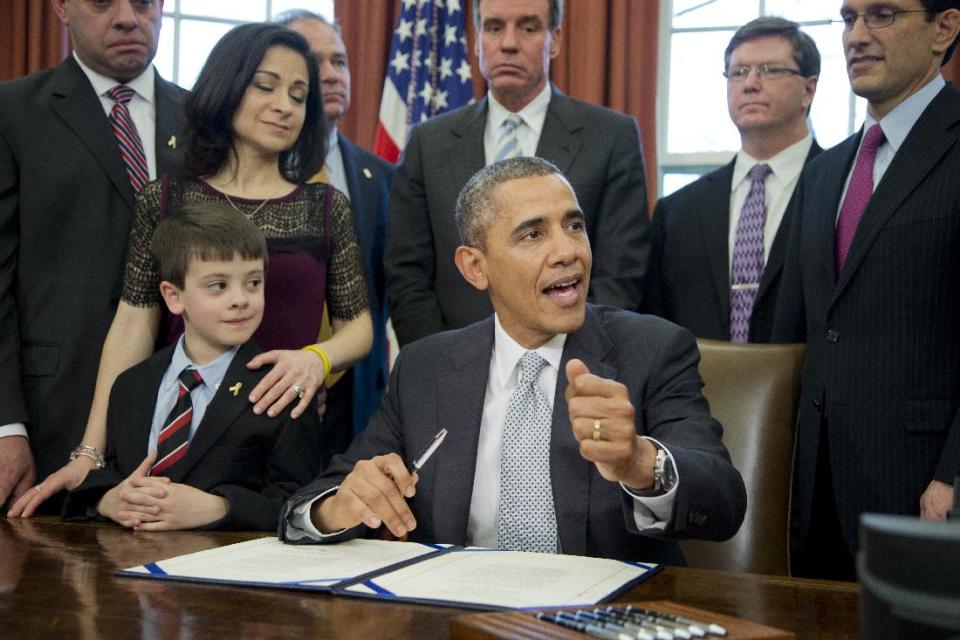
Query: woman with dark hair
x=255, y=137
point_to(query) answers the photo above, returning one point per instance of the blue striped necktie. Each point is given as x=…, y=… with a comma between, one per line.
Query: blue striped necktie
x=507, y=144
x=131, y=147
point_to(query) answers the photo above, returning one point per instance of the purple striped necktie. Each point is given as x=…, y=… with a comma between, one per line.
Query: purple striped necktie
x=131, y=147
x=748, y=255
x=858, y=195
x=175, y=435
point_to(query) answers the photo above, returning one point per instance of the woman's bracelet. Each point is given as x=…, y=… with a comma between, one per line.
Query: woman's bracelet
x=91, y=452
x=320, y=353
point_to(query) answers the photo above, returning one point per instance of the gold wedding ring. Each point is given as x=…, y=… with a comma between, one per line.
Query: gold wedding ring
x=597, y=435
x=298, y=389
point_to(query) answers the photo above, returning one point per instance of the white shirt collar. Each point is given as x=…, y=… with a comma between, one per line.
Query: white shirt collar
x=897, y=124
x=143, y=84
x=785, y=166
x=507, y=353
x=212, y=372
x=333, y=140
x=534, y=114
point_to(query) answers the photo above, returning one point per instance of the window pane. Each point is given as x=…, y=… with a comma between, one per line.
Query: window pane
x=804, y=10
x=698, y=120
x=246, y=10
x=164, y=58
x=713, y=13
x=676, y=181
x=196, y=40
x=831, y=105
x=322, y=7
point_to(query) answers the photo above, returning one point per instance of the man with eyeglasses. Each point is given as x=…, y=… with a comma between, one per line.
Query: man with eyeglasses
x=717, y=245
x=870, y=283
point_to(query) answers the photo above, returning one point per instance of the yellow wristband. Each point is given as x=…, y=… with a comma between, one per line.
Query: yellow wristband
x=312, y=348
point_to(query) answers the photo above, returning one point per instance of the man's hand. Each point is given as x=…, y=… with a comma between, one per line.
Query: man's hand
x=17, y=471
x=375, y=492
x=620, y=454
x=936, y=501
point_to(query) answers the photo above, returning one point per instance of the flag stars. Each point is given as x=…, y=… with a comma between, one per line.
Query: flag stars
x=421, y=27
x=464, y=71
x=453, y=6
x=405, y=30
x=450, y=34
x=400, y=62
x=446, y=68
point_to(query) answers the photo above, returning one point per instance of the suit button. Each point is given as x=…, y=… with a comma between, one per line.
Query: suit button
x=833, y=335
x=816, y=404
x=91, y=512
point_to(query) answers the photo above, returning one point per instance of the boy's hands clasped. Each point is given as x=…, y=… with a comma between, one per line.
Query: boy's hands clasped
x=154, y=503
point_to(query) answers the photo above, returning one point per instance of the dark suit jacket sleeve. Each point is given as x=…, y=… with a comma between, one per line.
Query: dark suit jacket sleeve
x=789, y=318
x=12, y=405
x=653, y=298
x=410, y=258
x=290, y=466
x=382, y=436
x=711, y=499
x=621, y=246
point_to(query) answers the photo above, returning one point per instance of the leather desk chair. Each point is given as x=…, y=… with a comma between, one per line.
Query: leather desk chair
x=754, y=391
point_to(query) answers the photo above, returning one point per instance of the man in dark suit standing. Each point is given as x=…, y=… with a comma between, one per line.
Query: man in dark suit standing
x=571, y=427
x=870, y=284
x=522, y=114
x=66, y=199
x=365, y=179
x=717, y=245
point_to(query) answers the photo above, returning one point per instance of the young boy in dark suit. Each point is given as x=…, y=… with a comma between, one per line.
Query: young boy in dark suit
x=210, y=461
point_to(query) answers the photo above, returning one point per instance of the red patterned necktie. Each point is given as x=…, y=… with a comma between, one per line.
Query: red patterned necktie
x=131, y=147
x=858, y=194
x=175, y=434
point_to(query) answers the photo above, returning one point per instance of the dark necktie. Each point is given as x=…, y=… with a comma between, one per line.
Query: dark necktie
x=527, y=519
x=131, y=147
x=175, y=434
x=748, y=255
x=858, y=193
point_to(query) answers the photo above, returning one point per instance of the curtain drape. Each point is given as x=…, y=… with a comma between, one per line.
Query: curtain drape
x=32, y=37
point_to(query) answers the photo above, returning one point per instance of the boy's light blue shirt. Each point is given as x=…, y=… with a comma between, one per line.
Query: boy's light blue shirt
x=212, y=374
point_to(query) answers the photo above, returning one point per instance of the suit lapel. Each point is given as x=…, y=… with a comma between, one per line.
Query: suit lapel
x=467, y=155
x=461, y=390
x=223, y=410
x=132, y=443
x=170, y=124
x=714, y=218
x=569, y=472
x=778, y=249
x=926, y=143
x=558, y=140
x=361, y=184
x=80, y=108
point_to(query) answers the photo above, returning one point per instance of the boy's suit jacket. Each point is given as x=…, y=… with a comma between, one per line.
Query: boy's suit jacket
x=688, y=278
x=254, y=461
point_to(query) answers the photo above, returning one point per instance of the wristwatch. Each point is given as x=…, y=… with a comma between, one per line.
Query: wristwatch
x=664, y=475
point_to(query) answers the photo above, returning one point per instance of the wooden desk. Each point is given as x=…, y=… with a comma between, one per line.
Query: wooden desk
x=56, y=581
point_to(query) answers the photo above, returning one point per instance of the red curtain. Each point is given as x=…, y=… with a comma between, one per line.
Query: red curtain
x=608, y=57
x=32, y=37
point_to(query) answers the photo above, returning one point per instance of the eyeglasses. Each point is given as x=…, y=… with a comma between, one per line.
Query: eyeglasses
x=764, y=72
x=874, y=18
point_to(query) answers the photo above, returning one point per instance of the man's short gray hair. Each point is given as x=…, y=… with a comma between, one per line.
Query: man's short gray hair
x=476, y=204
x=295, y=15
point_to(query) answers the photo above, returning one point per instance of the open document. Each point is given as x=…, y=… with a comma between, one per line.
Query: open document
x=410, y=572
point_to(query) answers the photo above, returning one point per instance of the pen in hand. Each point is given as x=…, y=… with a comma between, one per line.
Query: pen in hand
x=421, y=460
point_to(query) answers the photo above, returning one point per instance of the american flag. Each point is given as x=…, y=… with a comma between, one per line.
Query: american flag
x=428, y=72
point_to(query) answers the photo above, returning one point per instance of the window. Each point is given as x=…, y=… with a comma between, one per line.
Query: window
x=695, y=134
x=192, y=27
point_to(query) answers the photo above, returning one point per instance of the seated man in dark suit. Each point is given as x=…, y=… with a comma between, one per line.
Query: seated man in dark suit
x=210, y=460
x=717, y=245
x=572, y=428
